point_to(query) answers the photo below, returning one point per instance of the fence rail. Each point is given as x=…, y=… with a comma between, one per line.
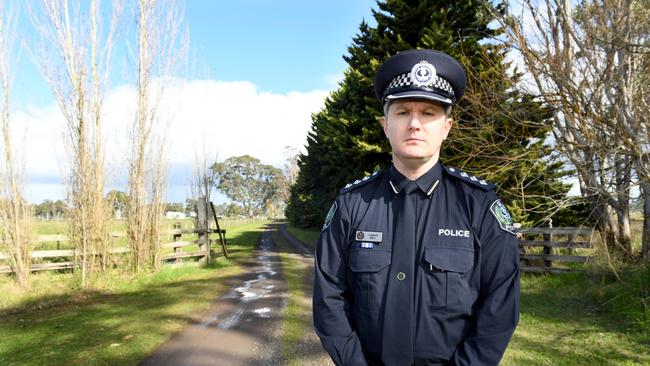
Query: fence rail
x=175, y=257
x=560, y=230
x=558, y=245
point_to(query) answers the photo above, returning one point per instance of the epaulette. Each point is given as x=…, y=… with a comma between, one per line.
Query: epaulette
x=466, y=177
x=359, y=182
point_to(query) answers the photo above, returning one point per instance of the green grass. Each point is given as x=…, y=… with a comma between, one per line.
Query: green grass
x=307, y=236
x=120, y=321
x=566, y=320
x=296, y=317
x=576, y=318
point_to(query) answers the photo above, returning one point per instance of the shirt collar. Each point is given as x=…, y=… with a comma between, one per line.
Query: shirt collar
x=427, y=182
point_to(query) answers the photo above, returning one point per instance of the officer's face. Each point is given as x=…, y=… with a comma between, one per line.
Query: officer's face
x=416, y=129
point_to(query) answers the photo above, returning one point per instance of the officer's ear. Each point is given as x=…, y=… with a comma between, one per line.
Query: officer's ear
x=447, y=127
x=384, y=124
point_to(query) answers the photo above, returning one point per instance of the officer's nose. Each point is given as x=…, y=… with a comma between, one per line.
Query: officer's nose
x=415, y=124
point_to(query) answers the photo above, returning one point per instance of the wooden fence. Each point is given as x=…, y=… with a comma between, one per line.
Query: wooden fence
x=64, y=258
x=541, y=247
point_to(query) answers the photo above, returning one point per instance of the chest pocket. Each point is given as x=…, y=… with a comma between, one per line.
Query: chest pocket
x=370, y=267
x=447, y=269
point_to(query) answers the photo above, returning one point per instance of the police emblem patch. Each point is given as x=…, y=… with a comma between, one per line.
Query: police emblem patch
x=502, y=215
x=330, y=215
x=423, y=73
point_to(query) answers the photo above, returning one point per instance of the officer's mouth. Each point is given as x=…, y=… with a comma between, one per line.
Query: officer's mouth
x=414, y=140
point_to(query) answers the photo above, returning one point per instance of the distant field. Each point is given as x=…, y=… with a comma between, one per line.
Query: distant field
x=46, y=227
x=118, y=228
x=53, y=231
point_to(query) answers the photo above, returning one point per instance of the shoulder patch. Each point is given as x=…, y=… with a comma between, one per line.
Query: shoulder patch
x=360, y=182
x=502, y=215
x=330, y=215
x=468, y=178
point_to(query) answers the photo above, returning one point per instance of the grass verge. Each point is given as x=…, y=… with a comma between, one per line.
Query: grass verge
x=296, y=324
x=566, y=320
x=122, y=320
x=307, y=236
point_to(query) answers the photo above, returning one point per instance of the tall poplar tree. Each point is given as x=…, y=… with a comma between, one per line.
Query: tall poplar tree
x=498, y=134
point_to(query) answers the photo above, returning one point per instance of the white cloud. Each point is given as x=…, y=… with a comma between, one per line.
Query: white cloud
x=230, y=118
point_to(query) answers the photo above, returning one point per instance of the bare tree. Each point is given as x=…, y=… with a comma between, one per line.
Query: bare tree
x=15, y=214
x=202, y=185
x=590, y=63
x=75, y=57
x=291, y=167
x=500, y=136
x=161, y=45
x=204, y=179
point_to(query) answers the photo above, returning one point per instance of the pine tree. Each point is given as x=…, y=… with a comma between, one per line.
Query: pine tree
x=498, y=134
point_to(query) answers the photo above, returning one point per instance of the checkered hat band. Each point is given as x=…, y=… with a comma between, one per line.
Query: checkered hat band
x=404, y=81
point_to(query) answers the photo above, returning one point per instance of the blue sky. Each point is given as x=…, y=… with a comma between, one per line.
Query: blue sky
x=280, y=45
x=277, y=60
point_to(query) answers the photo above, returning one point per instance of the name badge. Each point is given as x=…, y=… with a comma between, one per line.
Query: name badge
x=372, y=236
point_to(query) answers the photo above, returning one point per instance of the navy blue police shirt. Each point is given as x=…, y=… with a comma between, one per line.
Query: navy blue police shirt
x=466, y=285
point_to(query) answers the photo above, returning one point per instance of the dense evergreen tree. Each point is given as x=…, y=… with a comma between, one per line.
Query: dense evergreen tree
x=498, y=134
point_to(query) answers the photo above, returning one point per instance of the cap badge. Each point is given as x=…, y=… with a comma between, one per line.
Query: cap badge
x=423, y=73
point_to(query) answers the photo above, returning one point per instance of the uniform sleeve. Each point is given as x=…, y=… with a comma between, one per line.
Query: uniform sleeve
x=497, y=314
x=331, y=309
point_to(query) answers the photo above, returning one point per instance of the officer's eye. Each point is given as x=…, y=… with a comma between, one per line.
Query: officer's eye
x=401, y=112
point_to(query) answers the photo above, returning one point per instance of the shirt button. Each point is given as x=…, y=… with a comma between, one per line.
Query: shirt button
x=401, y=276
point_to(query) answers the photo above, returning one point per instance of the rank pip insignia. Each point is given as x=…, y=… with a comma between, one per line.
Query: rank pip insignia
x=502, y=215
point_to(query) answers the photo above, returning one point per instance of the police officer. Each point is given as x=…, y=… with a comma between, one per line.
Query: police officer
x=418, y=263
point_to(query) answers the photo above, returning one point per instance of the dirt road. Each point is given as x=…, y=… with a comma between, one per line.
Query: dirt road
x=243, y=326
x=240, y=327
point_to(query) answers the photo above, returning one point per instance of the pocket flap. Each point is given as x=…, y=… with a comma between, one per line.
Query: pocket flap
x=368, y=260
x=450, y=259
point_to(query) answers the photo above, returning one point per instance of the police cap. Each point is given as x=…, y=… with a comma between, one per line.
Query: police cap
x=424, y=74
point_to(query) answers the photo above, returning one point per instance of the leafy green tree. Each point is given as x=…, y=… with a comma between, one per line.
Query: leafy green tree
x=246, y=180
x=49, y=210
x=190, y=205
x=175, y=207
x=234, y=210
x=118, y=201
x=499, y=135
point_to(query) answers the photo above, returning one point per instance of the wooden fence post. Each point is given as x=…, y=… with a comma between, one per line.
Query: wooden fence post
x=548, y=250
x=177, y=232
x=204, y=238
x=222, y=238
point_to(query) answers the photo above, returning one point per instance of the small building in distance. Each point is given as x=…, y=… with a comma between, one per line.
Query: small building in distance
x=174, y=215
